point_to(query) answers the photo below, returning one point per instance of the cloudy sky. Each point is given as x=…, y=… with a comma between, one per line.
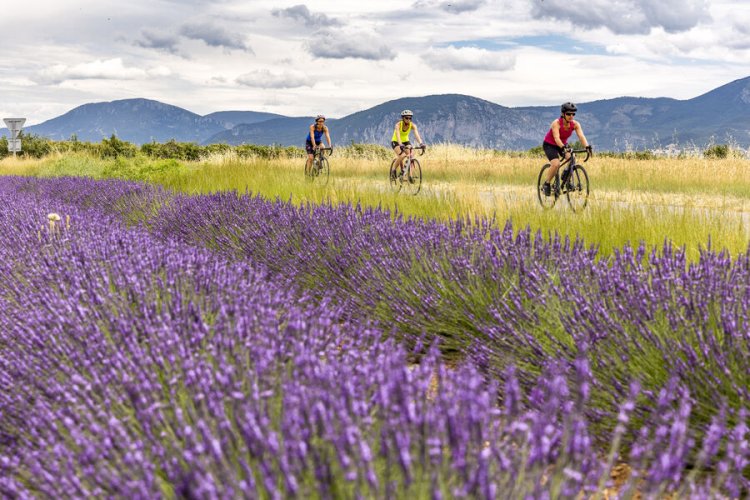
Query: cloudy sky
x=340, y=56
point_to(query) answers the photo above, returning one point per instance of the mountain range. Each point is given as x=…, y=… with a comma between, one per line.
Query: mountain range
x=623, y=123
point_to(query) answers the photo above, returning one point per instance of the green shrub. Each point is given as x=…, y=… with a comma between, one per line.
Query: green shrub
x=644, y=155
x=114, y=148
x=717, y=151
x=217, y=149
x=268, y=152
x=33, y=146
x=187, y=151
x=366, y=151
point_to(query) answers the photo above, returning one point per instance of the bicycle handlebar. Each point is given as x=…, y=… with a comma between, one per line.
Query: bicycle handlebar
x=587, y=151
x=423, y=148
x=325, y=149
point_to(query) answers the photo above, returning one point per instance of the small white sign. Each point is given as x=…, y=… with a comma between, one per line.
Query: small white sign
x=14, y=125
x=14, y=145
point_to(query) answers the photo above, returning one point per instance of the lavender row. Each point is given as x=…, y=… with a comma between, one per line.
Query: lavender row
x=513, y=295
x=510, y=298
x=144, y=361
x=135, y=366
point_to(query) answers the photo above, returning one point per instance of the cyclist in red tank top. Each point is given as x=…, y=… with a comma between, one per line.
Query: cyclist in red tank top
x=556, y=141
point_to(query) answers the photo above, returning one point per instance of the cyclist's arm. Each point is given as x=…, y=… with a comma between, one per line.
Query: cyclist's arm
x=556, y=134
x=312, y=136
x=416, y=134
x=581, y=137
x=328, y=137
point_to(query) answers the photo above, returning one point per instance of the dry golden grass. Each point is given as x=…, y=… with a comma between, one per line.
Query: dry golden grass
x=685, y=201
x=18, y=165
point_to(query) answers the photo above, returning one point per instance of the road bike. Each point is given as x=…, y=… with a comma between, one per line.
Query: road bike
x=320, y=170
x=409, y=175
x=570, y=180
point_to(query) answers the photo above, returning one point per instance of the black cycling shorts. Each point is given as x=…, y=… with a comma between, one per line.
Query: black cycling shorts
x=552, y=151
x=394, y=144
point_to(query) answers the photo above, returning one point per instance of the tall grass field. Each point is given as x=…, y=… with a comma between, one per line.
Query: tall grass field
x=225, y=328
x=691, y=202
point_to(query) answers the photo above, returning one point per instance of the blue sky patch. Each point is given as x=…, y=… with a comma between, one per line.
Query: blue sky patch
x=555, y=43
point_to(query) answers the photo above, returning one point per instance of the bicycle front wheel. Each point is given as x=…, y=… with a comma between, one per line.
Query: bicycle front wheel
x=578, y=189
x=323, y=172
x=395, y=177
x=413, y=183
x=547, y=200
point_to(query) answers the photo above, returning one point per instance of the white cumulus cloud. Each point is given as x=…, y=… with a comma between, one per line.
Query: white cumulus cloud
x=626, y=16
x=159, y=41
x=215, y=36
x=302, y=13
x=467, y=58
x=100, y=69
x=453, y=6
x=342, y=44
x=265, y=79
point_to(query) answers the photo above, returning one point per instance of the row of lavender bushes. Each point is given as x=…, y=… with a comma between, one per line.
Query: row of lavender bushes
x=232, y=346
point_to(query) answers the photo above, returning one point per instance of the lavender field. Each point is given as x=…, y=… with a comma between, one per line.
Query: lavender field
x=155, y=344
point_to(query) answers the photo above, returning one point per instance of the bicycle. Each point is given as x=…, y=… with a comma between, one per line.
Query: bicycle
x=409, y=174
x=573, y=183
x=320, y=169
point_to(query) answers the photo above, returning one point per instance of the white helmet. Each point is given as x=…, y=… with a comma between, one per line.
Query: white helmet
x=407, y=112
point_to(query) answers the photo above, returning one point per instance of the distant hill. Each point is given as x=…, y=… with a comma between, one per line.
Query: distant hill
x=134, y=120
x=440, y=118
x=232, y=118
x=286, y=131
x=718, y=116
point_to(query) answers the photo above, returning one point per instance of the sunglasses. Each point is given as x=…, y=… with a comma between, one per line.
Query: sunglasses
x=570, y=114
x=320, y=121
x=407, y=117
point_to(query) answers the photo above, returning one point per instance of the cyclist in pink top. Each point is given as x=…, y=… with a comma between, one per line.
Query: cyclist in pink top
x=556, y=141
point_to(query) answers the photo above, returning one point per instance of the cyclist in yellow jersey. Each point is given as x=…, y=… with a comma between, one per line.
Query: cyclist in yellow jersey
x=400, y=138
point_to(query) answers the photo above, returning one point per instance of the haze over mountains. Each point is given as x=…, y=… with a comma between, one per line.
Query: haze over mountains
x=719, y=116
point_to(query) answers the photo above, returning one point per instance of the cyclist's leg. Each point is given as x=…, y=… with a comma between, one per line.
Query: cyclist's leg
x=400, y=154
x=405, y=152
x=553, y=155
x=310, y=151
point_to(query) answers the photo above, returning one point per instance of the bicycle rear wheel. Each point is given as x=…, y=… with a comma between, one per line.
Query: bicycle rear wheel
x=547, y=201
x=323, y=172
x=395, y=177
x=414, y=181
x=578, y=189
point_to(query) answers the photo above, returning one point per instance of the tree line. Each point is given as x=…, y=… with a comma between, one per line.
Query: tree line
x=35, y=146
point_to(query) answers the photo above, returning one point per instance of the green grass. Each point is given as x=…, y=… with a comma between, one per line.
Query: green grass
x=688, y=202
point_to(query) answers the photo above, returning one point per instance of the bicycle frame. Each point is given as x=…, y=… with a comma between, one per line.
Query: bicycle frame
x=410, y=155
x=568, y=164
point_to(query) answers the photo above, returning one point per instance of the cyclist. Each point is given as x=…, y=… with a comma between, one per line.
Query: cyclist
x=400, y=137
x=315, y=139
x=556, y=141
